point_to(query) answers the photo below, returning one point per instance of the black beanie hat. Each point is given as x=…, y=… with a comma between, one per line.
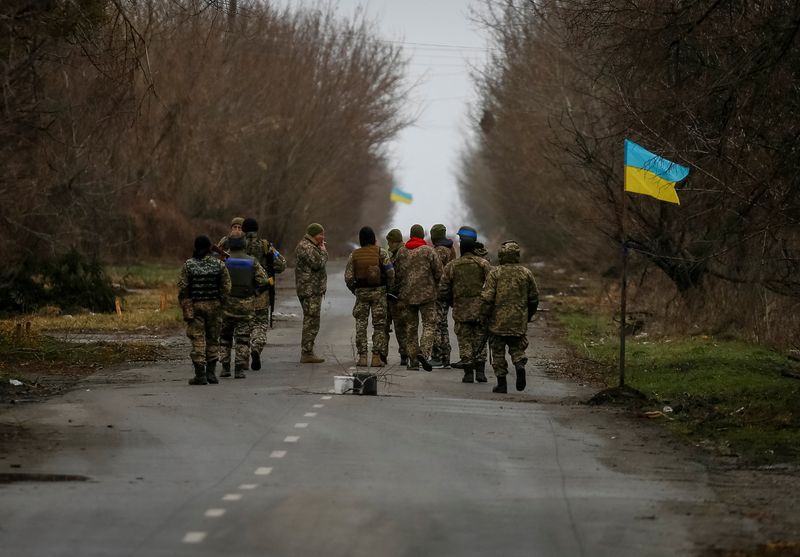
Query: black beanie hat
x=249, y=225
x=237, y=243
x=202, y=245
x=366, y=236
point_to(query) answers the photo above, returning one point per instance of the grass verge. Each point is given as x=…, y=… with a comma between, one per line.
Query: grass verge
x=45, y=365
x=727, y=394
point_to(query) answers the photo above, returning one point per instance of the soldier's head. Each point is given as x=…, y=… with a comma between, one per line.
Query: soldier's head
x=236, y=224
x=467, y=237
x=509, y=252
x=366, y=237
x=395, y=238
x=480, y=250
x=417, y=231
x=249, y=225
x=438, y=232
x=202, y=247
x=237, y=241
x=316, y=232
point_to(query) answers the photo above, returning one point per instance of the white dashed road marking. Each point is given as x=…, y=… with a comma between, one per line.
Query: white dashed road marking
x=319, y=406
x=327, y=398
x=310, y=415
x=246, y=487
x=232, y=497
x=291, y=439
x=263, y=471
x=215, y=513
x=301, y=425
x=194, y=537
x=277, y=454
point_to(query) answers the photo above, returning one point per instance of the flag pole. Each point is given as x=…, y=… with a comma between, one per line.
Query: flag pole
x=623, y=289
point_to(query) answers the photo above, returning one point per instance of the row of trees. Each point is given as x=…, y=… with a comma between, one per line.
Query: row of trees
x=129, y=127
x=707, y=83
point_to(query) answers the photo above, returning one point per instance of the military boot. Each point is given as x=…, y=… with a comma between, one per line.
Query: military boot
x=199, y=374
x=423, y=361
x=458, y=365
x=446, y=362
x=480, y=375
x=376, y=361
x=311, y=358
x=502, y=386
x=403, y=360
x=255, y=360
x=238, y=372
x=468, y=374
x=211, y=377
x=362, y=360
x=520, y=369
x=226, y=369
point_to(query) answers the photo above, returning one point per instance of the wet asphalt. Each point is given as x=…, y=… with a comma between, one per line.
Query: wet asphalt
x=277, y=465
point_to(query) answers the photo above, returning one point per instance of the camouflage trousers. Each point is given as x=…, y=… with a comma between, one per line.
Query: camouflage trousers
x=238, y=328
x=204, y=331
x=397, y=317
x=469, y=335
x=371, y=300
x=258, y=335
x=415, y=344
x=312, y=307
x=441, y=338
x=516, y=348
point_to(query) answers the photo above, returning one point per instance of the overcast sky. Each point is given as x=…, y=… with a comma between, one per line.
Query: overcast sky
x=442, y=42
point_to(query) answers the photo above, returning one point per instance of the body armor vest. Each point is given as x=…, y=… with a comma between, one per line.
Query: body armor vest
x=367, y=267
x=243, y=274
x=204, y=279
x=468, y=278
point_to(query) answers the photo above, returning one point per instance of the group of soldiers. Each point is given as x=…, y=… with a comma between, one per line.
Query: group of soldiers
x=411, y=282
x=226, y=299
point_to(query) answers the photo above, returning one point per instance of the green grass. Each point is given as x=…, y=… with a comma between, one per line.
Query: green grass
x=727, y=392
x=145, y=275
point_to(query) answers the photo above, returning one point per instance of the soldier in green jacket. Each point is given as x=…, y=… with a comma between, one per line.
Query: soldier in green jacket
x=311, y=283
x=248, y=279
x=273, y=263
x=368, y=274
x=203, y=284
x=510, y=299
x=396, y=314
x=460, y=287
x=418, y=270
x=443, y=246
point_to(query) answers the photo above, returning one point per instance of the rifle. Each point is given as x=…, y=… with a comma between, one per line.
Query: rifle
x=271, y=274
x=219, y=251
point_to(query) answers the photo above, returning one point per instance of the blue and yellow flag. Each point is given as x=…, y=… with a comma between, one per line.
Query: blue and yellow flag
x=650, y=174
x=399, y=196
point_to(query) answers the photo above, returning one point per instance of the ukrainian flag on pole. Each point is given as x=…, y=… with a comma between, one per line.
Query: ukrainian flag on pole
x=650, y=174
x=399, y=196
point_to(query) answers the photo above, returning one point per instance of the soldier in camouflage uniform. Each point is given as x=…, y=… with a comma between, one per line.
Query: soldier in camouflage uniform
x=273, y=263
x=236, y=228
x=311, y=282
x=510, y=300
x=203, y=284
x=368, y=274
x=396, y=310
x=248, y=278
x=441, y=340
x=460, y=287
x=418, y=269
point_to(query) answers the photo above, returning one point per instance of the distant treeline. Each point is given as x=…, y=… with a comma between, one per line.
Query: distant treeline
x=710, y=85
x=128, y=127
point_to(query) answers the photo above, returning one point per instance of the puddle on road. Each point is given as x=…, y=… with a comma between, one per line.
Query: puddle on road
x=12, y=477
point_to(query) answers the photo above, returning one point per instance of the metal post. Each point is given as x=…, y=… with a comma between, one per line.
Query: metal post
x=623, y=292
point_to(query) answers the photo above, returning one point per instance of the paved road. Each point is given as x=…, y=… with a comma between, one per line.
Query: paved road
x=276, y=465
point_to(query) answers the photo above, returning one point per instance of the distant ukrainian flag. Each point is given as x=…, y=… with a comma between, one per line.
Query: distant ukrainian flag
x=650, y=174
x=399, y=196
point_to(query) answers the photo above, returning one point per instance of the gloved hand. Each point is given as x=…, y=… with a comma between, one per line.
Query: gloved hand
x=532, y=310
